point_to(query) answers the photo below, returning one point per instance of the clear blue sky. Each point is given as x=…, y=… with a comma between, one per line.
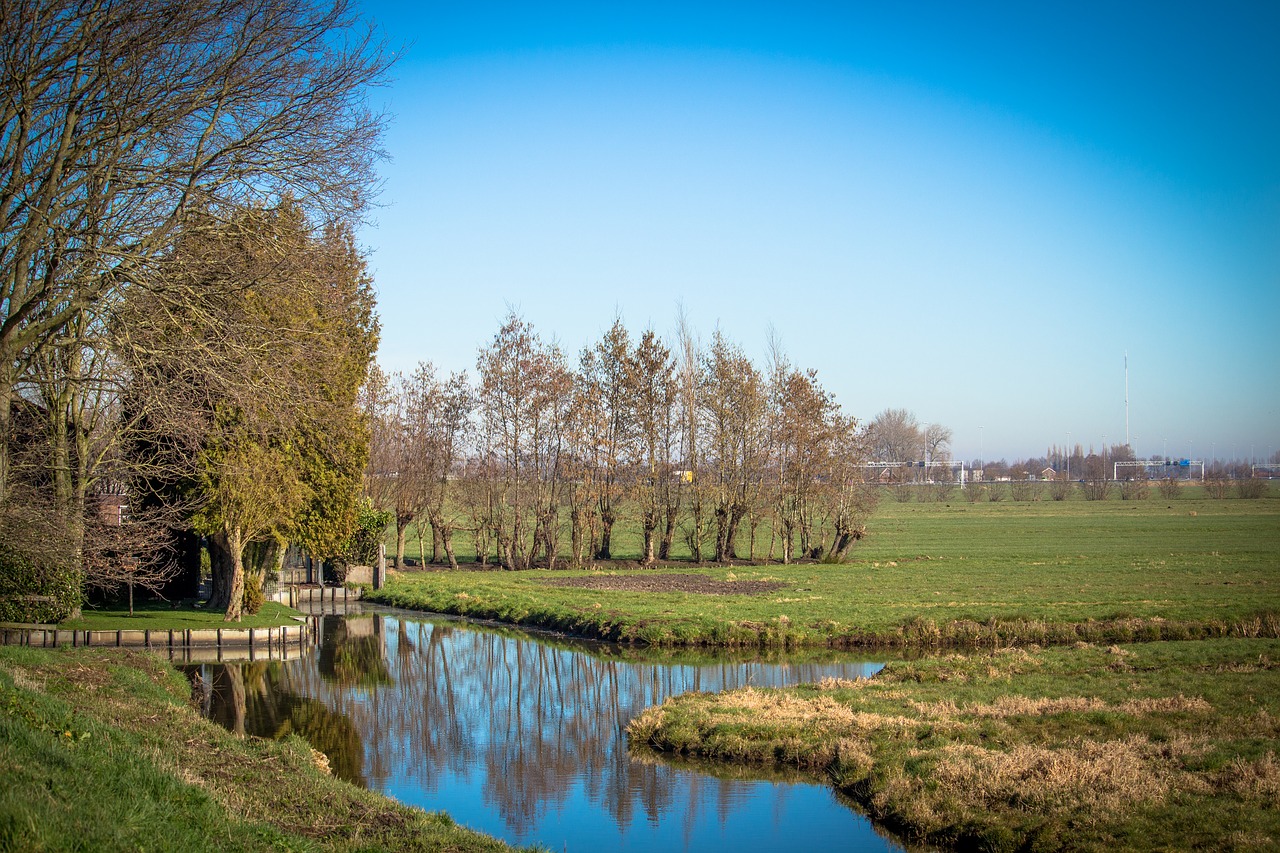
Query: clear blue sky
x=971, y=211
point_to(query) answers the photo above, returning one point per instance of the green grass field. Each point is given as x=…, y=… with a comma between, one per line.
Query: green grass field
x=160, y=616
x=935, y=573
x=100, y=750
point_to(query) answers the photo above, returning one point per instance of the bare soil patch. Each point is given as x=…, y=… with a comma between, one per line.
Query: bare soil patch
x=697, y=584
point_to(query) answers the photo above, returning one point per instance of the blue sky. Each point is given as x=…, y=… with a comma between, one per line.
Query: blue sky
x=969, y=212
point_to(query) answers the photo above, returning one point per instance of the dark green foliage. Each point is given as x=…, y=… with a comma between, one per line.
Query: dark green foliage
x=253, y=597
x=361, y=548
x=40, y=580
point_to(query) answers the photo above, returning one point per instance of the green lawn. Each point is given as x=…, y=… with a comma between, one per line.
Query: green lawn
x=986, y=573
x=160, y=616
x=1158, y=746
x=100, y=750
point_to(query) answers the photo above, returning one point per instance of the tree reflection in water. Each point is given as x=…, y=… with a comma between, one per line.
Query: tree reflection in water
x=518, y=736
x=255, y=699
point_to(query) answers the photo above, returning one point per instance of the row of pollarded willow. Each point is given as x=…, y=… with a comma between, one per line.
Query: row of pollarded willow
x=698, y=443
x=133, y=132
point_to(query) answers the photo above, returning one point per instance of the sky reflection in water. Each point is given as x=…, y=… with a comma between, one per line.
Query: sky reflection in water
x=523, y=737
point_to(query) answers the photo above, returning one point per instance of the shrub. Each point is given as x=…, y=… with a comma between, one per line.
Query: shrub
x=974, y=493
x=937, y=492
x=1097, y=488
x=1170, y=487
x=1217, y=487
x=1137, y=489
x=1060, y=489
x=1251, y=489
x=361, y=548
x=40, y=578
x=253, y=597
x=996, y=494
x=1022, y=489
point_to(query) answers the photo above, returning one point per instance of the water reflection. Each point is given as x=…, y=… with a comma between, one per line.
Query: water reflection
x=256, y=699
x=523, y=737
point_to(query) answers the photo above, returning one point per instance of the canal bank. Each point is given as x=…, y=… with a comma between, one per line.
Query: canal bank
x=101, y=750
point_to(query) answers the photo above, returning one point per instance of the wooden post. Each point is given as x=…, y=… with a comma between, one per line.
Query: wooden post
x=380, y=567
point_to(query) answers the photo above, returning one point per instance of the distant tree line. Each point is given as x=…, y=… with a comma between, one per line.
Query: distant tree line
x=539, y=460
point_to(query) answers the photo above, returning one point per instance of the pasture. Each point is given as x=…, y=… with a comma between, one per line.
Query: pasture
x=950, y=573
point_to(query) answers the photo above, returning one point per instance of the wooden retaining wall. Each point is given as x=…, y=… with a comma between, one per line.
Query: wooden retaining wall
x=189, y=644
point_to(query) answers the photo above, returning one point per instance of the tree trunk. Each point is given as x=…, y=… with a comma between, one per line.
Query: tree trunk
x=282, y=550
x=722, y=534
x=650, y=524
x=697, y=533
x=235, y=595
x=550, y=539
x=446, y=536
x=575, y=537
x=437, y=542
x=402, y=531
x=220, y=572
x=6, y=419
x=668, y=536
x=607, y=518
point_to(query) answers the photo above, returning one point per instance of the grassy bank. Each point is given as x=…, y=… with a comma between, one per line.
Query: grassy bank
x=928, y=574
x=1152, y=746
x=99, y=750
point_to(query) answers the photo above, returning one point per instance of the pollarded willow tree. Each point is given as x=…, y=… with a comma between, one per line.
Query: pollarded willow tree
x=607, y=376
x=524, y=405
x=699, y=443
x=119, y=120
x=421, y=426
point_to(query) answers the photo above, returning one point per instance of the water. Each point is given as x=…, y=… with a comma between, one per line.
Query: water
x=523, y=736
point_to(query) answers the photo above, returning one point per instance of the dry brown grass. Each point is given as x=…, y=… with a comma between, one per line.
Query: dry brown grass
x=830, y=683
x=1099, y=777
x=1258, y=779
x=1165, y=705
x=821, y=713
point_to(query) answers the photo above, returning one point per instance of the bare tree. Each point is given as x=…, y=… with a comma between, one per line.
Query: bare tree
x=652, y=383
x=1097, y=483
x=895, y=436
x=420, y=438
x=525, y=390
x=802, y=447
x=606, y=375
x=691, y=472
x=120, y=119
x=733, y=415
x=849, y=501
x=936, y=441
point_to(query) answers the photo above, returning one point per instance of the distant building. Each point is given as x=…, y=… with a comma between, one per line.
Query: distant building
x=112, y=502
x=1048, y=474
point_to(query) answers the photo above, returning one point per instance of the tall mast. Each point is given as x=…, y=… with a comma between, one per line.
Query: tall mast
x=1126, y=398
